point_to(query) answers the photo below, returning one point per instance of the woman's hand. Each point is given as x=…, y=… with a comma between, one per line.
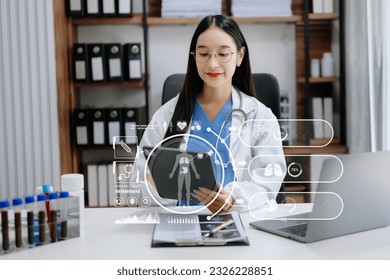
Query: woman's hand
x=223, y=200
x=150, y=179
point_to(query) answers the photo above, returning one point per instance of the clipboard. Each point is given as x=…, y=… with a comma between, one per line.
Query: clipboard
x=176, y=230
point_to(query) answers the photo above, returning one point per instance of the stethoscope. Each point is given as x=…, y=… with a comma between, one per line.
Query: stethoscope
x=229, y=115
x=128, y=170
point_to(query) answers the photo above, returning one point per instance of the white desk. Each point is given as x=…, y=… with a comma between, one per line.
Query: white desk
x=103, y=239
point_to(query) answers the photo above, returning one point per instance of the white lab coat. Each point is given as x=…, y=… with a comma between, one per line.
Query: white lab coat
x=257, y=140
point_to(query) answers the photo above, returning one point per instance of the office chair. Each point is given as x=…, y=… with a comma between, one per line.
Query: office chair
x=266, y=87
x=267, y=92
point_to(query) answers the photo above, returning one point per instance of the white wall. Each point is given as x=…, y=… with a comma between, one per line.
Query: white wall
x=29, y=149
x=271, y=48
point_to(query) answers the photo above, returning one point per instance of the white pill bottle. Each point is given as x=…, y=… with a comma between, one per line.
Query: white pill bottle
x=74, y=184
x=327, y=67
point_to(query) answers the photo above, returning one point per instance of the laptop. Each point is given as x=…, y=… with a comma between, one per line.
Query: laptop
x=364, y=189
x=164, y=161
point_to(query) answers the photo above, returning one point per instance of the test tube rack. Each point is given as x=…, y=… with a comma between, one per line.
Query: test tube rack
x=37, y=228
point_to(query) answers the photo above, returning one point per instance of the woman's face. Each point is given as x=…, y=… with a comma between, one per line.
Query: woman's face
x=218, y=46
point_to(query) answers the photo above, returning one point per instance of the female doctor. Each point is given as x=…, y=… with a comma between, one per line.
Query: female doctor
x=217, y=103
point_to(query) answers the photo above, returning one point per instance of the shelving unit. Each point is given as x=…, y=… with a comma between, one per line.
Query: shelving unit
x=313, y=38
x=66, y=30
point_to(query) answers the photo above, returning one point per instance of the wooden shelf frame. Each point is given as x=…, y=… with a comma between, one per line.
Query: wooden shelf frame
x=135, y=19
x=129, y=84
x=330, y=149
x=315, y=147
x=319, y=80
x=185, y=21
x=297, y=19
x=327, y=17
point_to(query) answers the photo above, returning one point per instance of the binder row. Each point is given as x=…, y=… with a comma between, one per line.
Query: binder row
x=322, y=108
x=98, y=126
x=107, y=62
x=101, y=187
x=99, y=8
x=103, y=191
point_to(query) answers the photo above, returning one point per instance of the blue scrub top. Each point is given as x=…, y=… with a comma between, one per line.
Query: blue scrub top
x=199, y=126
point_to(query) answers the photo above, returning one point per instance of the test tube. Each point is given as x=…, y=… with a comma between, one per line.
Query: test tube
x=41, y=217
x=4, y=207
x=30, y=207
x=53, y=197
x=64, y=213
x=17, y=205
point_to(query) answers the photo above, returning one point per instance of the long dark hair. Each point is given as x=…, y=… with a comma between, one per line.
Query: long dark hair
x=193, y=84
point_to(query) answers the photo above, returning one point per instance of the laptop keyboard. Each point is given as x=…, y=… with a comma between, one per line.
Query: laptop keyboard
x=299, y=230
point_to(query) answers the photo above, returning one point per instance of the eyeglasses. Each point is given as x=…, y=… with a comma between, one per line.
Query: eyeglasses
x=203, y=55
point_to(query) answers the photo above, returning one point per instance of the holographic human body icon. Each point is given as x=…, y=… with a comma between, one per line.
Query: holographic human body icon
x=184, y=161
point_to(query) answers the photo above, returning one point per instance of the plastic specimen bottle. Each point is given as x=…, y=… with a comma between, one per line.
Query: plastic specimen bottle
x=53, y=200
x=30, y=207
x=327, y=67
x=41, y=198
x=315, y=68
x=74, y=184
x=17, y=206
x=64, y=214
x=4, y=207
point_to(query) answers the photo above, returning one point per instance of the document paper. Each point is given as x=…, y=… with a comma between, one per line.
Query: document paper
x=190, y=229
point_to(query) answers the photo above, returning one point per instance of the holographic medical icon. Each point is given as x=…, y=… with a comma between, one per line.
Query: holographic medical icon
x=146, y=202
x=259, y=131
x=181, y=125
x=132, y=201
x=270, y=206
x=294, y=169
x=118, y=201
x=128, y=170
x=273, y=169
x=281, y=135
x=125, y=146
x=125, y=172
x=290, y=204
x=196, y=126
